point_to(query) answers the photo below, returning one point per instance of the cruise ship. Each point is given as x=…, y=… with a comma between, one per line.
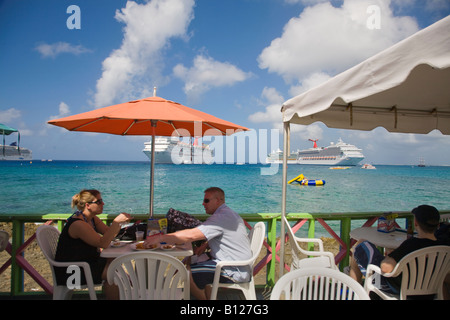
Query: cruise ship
x=172, y=150
x=277, y=157
x=341, y=153
x=13, y=152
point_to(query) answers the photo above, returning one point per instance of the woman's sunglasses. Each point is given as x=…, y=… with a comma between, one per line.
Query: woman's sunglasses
x=99, y=201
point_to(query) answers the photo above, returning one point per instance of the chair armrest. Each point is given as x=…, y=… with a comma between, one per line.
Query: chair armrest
x=372, y=269
x=222, y=264
x=374, y=272
x=71, y=263
x=330, y=256
x=315, y=240
x=319, y=254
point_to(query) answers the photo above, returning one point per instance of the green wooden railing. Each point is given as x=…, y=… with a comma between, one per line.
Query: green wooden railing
x=18, y=243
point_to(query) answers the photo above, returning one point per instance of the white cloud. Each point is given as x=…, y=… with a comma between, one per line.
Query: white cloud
x=325, y=40
x=272, y=100
x=55, y=49
x=400, y=148
x=207, y=73
x=148, y=29
x=328, y=39
x=9, y=115
x=13, y=118
x=64, y=111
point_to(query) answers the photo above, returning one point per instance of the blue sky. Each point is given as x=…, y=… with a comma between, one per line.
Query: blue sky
x=221, y=57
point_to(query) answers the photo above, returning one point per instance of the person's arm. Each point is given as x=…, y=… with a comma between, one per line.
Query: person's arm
x=100, y=226
x=390, y=261
x=182, y=236
x=81, y=230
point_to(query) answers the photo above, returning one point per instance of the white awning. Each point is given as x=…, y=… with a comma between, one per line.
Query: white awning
x=405, y=88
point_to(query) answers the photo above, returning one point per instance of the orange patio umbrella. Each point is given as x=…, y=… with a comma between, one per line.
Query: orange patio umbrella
x=153, y=116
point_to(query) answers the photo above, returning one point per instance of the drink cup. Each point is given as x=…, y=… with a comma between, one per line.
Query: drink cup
x=139, y=235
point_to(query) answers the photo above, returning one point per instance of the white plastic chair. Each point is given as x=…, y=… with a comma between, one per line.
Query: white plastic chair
x=317, y=284
x=4, y=238
x=47, y=238
x=149, y=276
x=423, y=272
x=256, y=237
x=319, y=258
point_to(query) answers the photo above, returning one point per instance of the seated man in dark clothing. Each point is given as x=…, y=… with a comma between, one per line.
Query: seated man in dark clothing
x=426, y=222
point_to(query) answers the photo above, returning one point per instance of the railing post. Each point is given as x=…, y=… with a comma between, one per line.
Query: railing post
x=272, y=241
x=60, y=225
x=345, y=237
x=311, y=233
x=17, y=278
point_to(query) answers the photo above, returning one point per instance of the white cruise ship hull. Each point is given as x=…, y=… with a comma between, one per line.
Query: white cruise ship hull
x=175, y=152
x=291, y=161
x=343, y=161
x=339, y=154
x=277, y=157
x=11, y=153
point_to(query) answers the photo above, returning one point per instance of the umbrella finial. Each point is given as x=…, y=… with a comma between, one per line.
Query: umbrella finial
x=154, y=91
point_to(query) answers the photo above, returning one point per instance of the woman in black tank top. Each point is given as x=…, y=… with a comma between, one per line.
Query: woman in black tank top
x=84, y=235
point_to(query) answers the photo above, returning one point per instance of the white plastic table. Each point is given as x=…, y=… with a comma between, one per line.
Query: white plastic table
x=184, y=250
x=389, y=240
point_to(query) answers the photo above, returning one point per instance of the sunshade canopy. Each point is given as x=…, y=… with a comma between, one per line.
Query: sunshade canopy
x=153, y=116
x=134, y=118
x=405, y=88
x=5, y=130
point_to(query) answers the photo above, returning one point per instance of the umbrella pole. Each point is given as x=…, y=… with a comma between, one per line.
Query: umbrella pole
x=286, y=147
x=152, y=168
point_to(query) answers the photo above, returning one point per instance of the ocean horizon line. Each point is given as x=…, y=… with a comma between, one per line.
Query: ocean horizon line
x=214, y=163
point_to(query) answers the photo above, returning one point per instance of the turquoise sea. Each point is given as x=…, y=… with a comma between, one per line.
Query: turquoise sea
x=47, y=187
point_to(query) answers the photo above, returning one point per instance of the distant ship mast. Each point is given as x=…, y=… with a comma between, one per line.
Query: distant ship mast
x=315, y=142
x=421, y=162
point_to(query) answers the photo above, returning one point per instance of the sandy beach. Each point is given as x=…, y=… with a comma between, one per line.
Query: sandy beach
x=34, y=256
